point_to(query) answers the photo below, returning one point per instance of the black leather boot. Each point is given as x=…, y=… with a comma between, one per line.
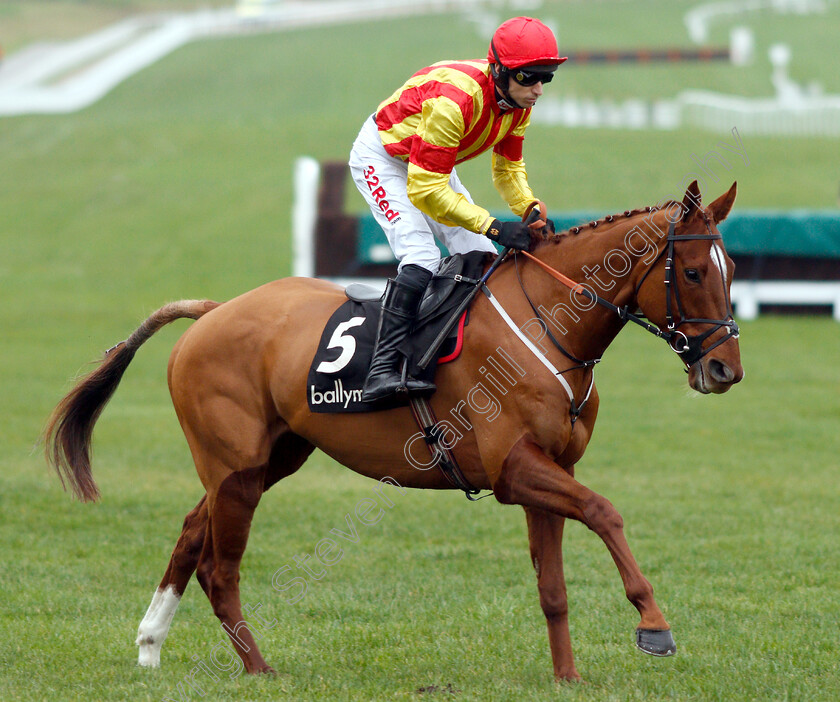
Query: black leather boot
x=399, y=309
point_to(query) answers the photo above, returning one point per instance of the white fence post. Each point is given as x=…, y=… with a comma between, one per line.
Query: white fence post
x=307, y=178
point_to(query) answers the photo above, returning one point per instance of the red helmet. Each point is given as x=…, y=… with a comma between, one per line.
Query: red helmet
x=524, y=41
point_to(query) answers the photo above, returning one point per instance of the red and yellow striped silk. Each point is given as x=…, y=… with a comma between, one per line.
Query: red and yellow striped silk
x=443, y=115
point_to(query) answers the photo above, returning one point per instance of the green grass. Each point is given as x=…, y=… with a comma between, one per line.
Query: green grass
x=178, y=185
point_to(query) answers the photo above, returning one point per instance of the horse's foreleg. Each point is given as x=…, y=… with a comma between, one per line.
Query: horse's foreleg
x=155, y=624
x=531, y=479
x=545, y=535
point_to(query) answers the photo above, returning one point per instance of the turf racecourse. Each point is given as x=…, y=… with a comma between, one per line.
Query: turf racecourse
x=730, y=504
x=178, y=185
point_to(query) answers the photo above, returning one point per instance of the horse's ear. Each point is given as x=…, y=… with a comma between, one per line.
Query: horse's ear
x=691, y=201
x=720, y=208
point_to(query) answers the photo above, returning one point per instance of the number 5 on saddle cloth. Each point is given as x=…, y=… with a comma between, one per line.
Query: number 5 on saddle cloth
x=338, y=371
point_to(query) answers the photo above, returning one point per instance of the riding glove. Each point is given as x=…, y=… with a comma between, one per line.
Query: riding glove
x=514, y=235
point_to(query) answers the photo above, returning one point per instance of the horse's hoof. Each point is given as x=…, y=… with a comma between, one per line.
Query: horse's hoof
x=571, y=676
x=656, y=642
x=263, y=669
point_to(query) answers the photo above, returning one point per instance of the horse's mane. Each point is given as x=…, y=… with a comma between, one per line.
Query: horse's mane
x=609, y=219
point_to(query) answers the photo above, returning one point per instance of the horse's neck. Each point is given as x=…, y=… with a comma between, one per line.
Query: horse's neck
x=608, y=260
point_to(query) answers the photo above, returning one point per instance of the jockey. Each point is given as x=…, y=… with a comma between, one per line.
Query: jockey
x=403, y=163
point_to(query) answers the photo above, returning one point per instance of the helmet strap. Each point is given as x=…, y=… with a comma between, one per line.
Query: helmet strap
x=501, y=77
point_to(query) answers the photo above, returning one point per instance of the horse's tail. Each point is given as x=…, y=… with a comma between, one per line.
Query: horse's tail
x=68, y=433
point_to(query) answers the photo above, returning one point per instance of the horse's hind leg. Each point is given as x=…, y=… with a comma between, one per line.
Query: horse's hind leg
x=227, y=536
x=230, y=523
x=545, y=535
x=155, y=624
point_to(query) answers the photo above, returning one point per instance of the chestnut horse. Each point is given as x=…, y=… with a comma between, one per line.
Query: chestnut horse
x=238, y=380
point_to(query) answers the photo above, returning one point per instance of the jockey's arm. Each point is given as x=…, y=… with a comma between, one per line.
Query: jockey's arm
x=511, y=181
x=509, y=175
x=431, y=193
x=430, y=163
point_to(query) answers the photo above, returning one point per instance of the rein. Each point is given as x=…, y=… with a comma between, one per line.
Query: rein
x=689, y=348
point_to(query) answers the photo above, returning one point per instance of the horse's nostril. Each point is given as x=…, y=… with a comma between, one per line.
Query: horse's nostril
x=720, y=372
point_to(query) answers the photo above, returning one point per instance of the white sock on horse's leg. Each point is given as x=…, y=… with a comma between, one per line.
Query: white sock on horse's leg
x=155, y=626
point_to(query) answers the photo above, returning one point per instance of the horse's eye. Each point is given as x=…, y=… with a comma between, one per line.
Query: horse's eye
x=692, y=275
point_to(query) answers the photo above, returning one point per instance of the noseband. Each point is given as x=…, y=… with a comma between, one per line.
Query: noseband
x=689, y=348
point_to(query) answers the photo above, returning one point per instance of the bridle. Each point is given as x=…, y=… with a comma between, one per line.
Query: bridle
x=689, y=348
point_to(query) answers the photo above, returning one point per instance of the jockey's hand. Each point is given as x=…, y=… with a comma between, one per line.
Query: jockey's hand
x=514, y=235
x=535, y=215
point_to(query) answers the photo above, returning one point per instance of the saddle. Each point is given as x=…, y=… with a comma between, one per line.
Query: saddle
x=337, y=372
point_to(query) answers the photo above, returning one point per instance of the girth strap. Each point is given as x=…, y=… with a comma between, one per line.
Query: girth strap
x=443, y=457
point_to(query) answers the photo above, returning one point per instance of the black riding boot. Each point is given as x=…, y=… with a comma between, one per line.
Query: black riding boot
x=399, y=309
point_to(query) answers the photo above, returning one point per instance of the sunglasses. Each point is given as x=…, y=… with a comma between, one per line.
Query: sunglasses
x=529, y=78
